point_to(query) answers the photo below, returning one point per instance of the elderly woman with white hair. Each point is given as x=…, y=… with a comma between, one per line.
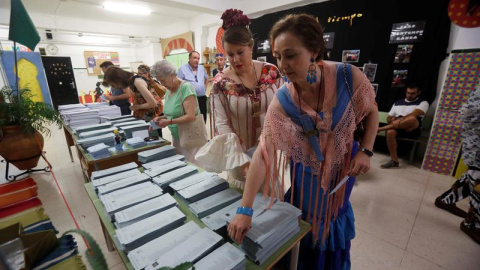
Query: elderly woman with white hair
x=181, y=106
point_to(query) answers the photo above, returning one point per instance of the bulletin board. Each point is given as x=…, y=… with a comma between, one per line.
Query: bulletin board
x=93, y=60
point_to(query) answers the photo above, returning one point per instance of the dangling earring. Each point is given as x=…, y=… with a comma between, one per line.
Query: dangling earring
x=312, y=72
x=285, y=79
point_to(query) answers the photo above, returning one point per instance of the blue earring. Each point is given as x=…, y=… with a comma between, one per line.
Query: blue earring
x=285, y=79
x=312, y=72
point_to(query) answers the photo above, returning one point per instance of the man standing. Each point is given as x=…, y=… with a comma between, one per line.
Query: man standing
x=220, y=63
x=120, y=97
x=404, y=120
x=196, y=75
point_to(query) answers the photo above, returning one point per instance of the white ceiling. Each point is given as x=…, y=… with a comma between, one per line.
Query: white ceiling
x=165, y=12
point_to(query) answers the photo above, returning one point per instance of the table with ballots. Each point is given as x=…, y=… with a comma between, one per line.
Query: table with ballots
x=169, y=211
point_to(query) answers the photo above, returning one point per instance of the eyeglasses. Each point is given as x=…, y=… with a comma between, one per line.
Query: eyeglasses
x=196, y=80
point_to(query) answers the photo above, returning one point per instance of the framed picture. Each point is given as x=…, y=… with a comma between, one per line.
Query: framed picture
x=351, y=56
x=399, y=77
x=263, y=46
x=262, y=58
x=403, y=53
x=370, y=70
x=375, y=87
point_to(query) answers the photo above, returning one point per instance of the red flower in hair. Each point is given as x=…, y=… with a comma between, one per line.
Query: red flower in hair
x=234, y=17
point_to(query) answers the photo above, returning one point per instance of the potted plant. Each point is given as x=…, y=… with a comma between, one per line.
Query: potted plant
x=22, y=122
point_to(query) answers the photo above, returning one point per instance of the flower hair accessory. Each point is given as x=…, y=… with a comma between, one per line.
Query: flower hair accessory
x=234, y=17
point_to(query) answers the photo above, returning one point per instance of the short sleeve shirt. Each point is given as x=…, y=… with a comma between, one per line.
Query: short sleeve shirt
x=172, y=108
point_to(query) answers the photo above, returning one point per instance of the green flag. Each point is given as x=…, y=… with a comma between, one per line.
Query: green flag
x=22, y=29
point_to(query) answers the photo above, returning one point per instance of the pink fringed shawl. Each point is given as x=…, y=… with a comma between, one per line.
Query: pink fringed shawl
x=290, y=143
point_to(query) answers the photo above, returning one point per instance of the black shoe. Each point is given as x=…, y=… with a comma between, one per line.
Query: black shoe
x=452, y=208
x=390, y=164
x=471, y=231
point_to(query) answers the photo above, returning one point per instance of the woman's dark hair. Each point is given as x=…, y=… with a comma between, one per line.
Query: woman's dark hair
x=118, y=76
x=305, y=27
x=238, y=35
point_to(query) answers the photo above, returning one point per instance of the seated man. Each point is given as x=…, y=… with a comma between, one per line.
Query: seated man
x=404, y=120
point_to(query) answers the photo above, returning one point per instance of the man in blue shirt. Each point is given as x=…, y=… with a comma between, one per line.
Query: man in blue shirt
x=195, y=74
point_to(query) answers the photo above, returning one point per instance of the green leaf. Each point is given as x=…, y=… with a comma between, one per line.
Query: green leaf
x=94, y=254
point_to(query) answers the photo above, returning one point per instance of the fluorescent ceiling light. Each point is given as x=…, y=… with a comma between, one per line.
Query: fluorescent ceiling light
x=126, y=8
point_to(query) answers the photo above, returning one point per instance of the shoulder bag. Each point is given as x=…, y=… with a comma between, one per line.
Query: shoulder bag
x=193, y=134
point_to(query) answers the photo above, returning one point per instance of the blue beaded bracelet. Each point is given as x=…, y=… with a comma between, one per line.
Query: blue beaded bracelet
x=245, y=211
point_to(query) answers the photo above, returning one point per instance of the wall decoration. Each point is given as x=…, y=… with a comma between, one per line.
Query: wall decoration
x=93, y=60
x=375, y=87
x=218, y=40
x=445, y=142
x=31, y=74
x=182, y=41
x=370, y=70
x=464, y=13
x=399, y=78
x=407, y=32
x=403, y=53
x=263, y=46
x=350, y=56
x=329, y=38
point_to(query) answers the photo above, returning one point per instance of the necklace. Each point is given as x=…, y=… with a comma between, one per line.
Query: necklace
x=256, y=79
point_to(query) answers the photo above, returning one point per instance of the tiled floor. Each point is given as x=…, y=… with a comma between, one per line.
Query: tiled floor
x=397, y=225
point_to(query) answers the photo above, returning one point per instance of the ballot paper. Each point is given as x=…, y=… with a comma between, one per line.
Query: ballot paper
x=148, y=253
x=165, y=168
x=191, y=250
x=226, y=257
x=215, y=221
x=141, y=232
x=118, y=169
x=114, y=177
x=114, y=203
x=191, y=180
x=156, y=163
x=217, y=201
x=123, y=183
x=156, y=154
x=203, y=189
x=145, y=209
x=166, y=179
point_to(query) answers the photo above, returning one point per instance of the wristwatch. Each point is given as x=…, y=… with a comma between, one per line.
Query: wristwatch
x=366, y=151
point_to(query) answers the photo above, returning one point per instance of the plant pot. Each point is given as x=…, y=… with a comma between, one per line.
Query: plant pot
x=25, y=148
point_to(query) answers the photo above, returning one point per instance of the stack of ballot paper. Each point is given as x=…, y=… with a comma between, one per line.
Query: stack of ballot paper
x=132, y=130
x=147, y=254
x=129, y=122
x=164, y=180
x=217, y=201
x=97, y=105
x=226, y=257
x=156, y=163
x=107, y=139
x=191, y=180
x=123, y=183
x=126, y=197
x=93, y=133
x=203, y=189
x=161, y=169
x=139, y=233
x=136, y=142
x=67, y=107
x=130, y=118
x=156, y=154
x=109, y=111
x=192, y=249
x=98, y=151
x=96, y=182
x=143, y=210
x=109, y=119
x=79, y=118
x=270, y=230
x=93, y=127
x=215, y=221
x=117, y=169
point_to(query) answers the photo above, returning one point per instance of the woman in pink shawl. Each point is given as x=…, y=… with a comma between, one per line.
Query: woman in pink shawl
x=309, y=127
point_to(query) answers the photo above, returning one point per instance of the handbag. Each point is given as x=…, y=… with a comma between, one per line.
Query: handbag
x=193, y=134
x=360, y=129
